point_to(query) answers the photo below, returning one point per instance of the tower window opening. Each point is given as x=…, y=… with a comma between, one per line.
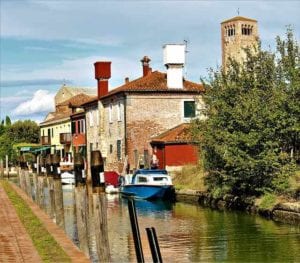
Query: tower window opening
x=246, y=30
x=230, y=31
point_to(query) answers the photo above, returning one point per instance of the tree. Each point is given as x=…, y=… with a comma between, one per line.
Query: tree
x=251, y=113
x=23, y=131
x=7, y=121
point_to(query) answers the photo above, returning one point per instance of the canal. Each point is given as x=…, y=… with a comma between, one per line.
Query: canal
x=186, y=233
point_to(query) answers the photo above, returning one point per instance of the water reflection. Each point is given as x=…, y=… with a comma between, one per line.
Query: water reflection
x=186, y=233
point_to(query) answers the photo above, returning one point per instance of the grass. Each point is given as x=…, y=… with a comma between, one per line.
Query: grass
x=191, y=177
x=267, y=201
x=48, y=249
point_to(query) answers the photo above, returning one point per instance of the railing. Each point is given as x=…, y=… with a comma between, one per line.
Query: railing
x=65, y=138
x=45, y=140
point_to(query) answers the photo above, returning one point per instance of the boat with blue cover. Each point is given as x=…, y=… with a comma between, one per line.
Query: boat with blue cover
x=148, y=184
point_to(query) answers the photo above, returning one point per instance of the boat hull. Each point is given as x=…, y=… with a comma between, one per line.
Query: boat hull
x=148, y=192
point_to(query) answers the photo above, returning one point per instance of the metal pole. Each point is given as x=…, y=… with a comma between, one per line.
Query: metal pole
x=135, y=231
x=154, y=246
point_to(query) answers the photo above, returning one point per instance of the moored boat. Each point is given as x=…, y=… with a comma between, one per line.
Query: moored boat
x=149, y=184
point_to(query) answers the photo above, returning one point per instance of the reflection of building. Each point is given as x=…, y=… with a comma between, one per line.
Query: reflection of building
x=174, y=148
x=56, y=129
x=237, y=34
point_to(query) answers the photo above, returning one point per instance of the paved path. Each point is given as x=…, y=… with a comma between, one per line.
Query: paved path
x=59, y=235
x=15, y=243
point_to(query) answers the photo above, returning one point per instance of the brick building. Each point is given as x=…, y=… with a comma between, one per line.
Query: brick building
x=145, y=107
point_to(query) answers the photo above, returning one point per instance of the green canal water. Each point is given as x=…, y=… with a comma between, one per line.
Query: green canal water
x=190, y=233
x=186, y=233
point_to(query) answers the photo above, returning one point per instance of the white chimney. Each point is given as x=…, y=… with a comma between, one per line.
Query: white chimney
x=174, y=59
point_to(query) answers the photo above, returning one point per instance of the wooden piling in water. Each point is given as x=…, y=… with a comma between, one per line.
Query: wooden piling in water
x=28, y=187
x=41, y=192
x=59, y=204
x=97, y=169
x=82, y=216
x=51, y=207
x=101, y=229
x=79, y=171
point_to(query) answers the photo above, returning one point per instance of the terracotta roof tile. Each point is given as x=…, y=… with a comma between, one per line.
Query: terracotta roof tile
x=76, y=101
x=56, y=117
x=155, y=82
x=179, y=134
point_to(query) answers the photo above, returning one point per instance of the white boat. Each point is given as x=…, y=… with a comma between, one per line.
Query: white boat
x=67, y=178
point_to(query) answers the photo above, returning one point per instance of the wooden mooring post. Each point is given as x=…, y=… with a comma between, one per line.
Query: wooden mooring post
x=82, y=218
x=59, y=204
x=100, y=207
x=79, y=172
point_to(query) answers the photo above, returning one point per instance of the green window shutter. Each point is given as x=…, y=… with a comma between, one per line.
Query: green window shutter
x=189, y=109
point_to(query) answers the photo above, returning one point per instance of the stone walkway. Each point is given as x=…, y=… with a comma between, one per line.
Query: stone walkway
x=59, y=235
x=15, y=243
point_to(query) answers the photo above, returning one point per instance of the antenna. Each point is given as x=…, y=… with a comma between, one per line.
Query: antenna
x=238, y=11
x=186, y=41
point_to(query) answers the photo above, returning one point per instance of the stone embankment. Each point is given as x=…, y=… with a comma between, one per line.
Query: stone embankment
x=286, y=212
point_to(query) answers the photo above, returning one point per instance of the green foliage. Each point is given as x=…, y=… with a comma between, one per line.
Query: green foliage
x=7, y=121
x=10, y=134
x=24, y=131
x=6, y=147
x=251, y=134
x=267, y=201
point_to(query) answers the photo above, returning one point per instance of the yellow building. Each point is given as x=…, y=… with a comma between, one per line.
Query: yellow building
x=56, y=129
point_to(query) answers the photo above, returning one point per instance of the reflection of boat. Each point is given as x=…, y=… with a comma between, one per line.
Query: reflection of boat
x=67, y=178
x=110, y=189
x=150, y=207
x=149, y=184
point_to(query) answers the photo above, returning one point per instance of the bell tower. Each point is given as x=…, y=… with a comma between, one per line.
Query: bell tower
x=237, y=33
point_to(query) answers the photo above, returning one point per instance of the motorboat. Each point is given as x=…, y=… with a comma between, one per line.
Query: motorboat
x=148, y=184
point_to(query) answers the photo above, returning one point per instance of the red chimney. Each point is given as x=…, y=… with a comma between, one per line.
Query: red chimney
x=145, y=62
x=102, y=75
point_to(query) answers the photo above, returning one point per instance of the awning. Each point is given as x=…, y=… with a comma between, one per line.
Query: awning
x=25, y=149
x=41, y=149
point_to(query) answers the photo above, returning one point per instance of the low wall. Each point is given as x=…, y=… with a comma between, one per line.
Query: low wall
x=288, y=212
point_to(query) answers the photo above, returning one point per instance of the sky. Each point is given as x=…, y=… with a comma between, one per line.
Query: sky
x=47, y=43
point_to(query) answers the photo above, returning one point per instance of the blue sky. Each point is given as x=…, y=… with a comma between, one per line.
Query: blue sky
x=44, y=43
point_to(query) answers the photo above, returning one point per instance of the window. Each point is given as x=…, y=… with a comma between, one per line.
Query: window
x=52, y=133
x=142, y=179
x=189, y=109
x=73, y=127
x=110, y=113
x=110, y=148
x=91, y=146
x=119, y=111
x=82, y=126
x=119, y=149
x=91, y=119
x=246, y=30
x=79, y=126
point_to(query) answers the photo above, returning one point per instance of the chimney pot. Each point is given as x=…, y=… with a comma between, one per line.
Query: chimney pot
x=102, y=74
x=126, y=80
x=145, y=63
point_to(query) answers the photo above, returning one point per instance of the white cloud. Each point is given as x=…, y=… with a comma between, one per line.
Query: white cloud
x=42, y=101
